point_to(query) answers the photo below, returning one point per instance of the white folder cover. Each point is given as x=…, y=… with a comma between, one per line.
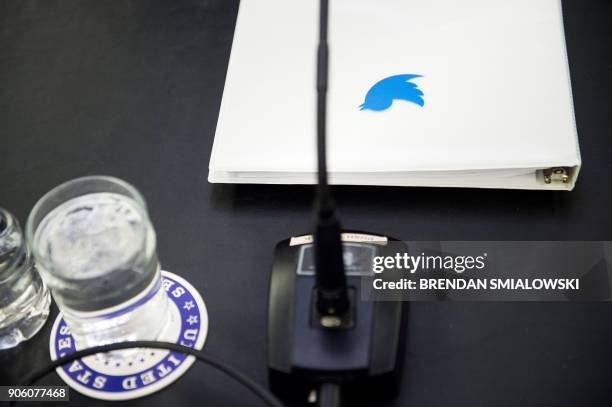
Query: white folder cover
x=472, y=93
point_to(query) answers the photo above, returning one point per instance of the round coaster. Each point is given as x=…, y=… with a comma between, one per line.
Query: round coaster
x=142, y=371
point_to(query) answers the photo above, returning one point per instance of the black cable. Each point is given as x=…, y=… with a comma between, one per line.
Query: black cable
x=329, y=395
x=256, y=388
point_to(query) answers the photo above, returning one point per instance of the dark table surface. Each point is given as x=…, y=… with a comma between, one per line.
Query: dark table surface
x=133, y=88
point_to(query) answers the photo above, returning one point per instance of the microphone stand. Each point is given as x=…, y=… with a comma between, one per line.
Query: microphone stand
x=325, y=344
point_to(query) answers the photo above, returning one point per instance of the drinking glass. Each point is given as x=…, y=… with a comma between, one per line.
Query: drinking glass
x=24, y=298
x=95, y=248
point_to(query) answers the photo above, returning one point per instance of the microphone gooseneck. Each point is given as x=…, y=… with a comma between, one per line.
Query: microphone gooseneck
x=332, y=297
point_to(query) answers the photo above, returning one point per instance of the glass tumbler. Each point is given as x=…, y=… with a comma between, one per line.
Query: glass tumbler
x=96, y=250
x=24, y=298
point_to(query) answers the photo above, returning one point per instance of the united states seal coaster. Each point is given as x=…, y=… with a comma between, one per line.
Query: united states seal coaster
x=139, y=372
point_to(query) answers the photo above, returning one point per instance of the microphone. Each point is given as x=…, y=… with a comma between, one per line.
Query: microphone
x=324, y=343
x=332, y=298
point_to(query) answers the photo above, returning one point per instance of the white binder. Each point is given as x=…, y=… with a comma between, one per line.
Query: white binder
x=491, y=75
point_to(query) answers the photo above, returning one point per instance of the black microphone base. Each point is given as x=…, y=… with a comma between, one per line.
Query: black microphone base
x=363, y=355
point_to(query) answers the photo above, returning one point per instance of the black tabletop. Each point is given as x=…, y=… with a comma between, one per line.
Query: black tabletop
x=132, y=89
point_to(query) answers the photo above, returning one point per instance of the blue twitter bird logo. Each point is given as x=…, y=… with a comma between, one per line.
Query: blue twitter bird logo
x=383, y=93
